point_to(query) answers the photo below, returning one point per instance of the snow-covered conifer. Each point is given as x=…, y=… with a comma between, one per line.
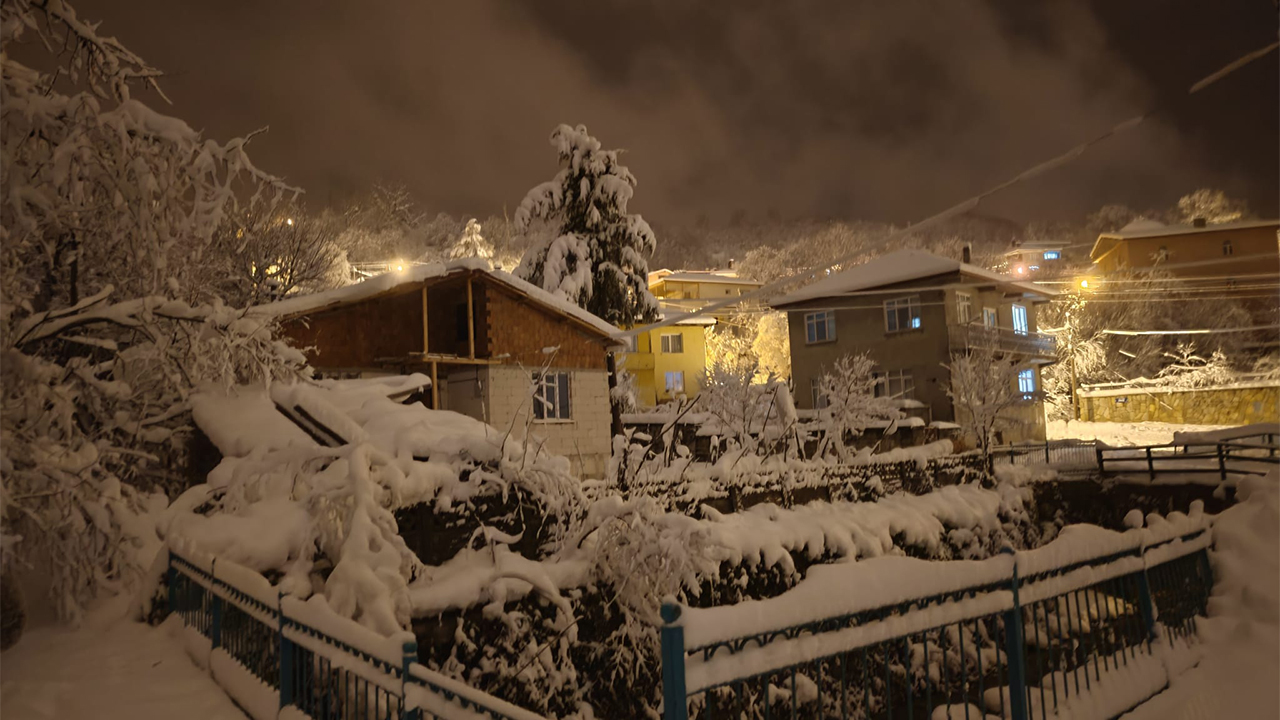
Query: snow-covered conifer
x=598, y=258
x=471, y=244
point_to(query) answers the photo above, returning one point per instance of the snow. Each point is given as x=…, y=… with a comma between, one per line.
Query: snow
x=240, y=422
x=261, y=701
x=898, y=267
x=108, y=669
x=1236, y=676
x=1121, y=434
x=1151, y=228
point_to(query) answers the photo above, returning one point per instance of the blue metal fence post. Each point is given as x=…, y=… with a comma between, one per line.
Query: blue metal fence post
x=674, y=697
x=215, y=610
x=286, y=660
x=410, y=656
x=1144, y=602
x=1014, y=649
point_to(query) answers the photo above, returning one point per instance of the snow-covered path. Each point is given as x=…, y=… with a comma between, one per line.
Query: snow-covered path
x=110, y=668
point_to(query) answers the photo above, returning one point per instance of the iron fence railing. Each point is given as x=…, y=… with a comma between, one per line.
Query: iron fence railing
x=346, y=673
x=1054, y=453
x=1244, y=456
x=967, y=337
x=1016, y=644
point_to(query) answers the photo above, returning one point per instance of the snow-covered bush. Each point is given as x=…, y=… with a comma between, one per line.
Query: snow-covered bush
x=110, y=209
x=1188, y=369
x=847, y=391
x=599, y=256
x=984, y=390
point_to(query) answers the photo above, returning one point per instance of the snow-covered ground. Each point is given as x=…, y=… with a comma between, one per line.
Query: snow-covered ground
x=1236, y=677
x=1111, y=433
x=109, y=668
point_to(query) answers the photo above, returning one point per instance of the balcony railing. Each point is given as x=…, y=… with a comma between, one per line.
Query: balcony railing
x=964, y=337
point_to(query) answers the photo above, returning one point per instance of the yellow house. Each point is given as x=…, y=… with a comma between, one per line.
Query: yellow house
x=669, y=362
x=1190, y=251
x=692, y=289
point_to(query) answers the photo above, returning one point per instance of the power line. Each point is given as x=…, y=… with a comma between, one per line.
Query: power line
x=1205, y=331
x=1053, y=163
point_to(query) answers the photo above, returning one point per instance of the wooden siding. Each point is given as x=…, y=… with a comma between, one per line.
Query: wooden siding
x=519, y=328
x=357, y=335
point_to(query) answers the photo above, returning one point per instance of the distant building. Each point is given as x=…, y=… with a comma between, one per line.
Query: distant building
x=1035, y=258
x=495, y=347
x=910, y=310
x=1191, y=251
x=671, y=361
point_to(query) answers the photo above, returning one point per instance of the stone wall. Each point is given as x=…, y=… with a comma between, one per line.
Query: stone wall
x=1241, y=405
x=583, y=439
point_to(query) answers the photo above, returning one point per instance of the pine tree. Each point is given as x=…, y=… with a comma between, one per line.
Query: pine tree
x=599, y=256
x=471, y=244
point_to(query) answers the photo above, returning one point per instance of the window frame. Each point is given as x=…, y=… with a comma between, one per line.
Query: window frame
x=1027, y=383
x=1025, y=327
x=812, y=323
x=1228, y=249
x=886, y=379
x=561, y=397
x=993, y=313
x=816, y=396
x=1051, y=255
x=666, y=377
x=964, y=308
x=667, y=344
x=894, y=306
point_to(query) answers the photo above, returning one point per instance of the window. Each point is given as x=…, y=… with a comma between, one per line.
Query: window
x=820, y=399
x=820, y=326
x=1026, y=383
x=902, y=314
x=989, y=317
x=895, y=384
x=672, y=343
x=1020, y=319
x=964, y=308
x=1226, y=248
x=551, y=396
x=1051, y=255
x=675, y=381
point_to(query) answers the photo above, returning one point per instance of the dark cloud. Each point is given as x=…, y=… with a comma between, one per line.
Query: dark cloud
x=823, y=109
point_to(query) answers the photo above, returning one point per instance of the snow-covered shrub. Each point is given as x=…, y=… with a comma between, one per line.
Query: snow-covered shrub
x=599, y=256
x=105, y=326
x=848, y=393
x=984, y=390
x=1188, y=369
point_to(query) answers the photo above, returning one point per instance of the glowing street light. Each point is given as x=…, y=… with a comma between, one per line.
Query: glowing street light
x=289, y=221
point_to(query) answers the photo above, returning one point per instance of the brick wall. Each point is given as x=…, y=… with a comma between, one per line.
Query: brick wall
x=584, y=439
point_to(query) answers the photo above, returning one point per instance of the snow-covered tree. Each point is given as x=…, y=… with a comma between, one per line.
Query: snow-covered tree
x=268, y=253
x=772, y=345
x=1189, y=369
x=598, y=257
x=984, y=392
x=1212, y=205
x=847, y=392
x=106, y=323
x=471, y=244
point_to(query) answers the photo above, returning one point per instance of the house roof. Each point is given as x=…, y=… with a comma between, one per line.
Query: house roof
x=1036, y=245
x=898, y=267
x=729, y=277
x=429, y=273
x=1151, y=228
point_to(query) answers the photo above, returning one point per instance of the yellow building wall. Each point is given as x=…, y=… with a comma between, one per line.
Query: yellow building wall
x=649, y=365
x=1136, y=253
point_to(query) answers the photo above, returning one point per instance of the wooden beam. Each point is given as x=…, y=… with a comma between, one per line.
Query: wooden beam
x=435, y=388
x=471, y=323
x=425, y=347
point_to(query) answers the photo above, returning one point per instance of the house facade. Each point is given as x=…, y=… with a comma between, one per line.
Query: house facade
x=495, y=347
x=910, y=311
x=671, y=361
x=1191, y=251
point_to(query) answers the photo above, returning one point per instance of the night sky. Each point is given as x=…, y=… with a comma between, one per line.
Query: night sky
x=867, y=110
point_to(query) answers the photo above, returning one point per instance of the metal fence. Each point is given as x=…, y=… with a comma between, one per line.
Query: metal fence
x=1065, y=454
x=1020, y=647
x=1244, y=456
x=300, y=668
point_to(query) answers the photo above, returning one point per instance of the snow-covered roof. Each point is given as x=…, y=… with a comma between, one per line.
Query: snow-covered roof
x=302, y=304
x=1035, y=246
x=727, y=277
x=1151, y=228
x=898, y=267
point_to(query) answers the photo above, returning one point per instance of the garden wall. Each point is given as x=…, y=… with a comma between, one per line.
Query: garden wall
x=1238, y=405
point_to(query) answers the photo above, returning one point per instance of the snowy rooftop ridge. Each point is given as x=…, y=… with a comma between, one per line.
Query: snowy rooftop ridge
x=386, y=282
x=898, y=267
x=1151, y=228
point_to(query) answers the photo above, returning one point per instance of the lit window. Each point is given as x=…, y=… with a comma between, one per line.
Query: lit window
x=1227, y=249
x=551, y=396
x=964, y=308
x=820, y=326
x=675, y=381
x=1026, y=383
x=895, y=384
x=902, y=314
x=1051, y=255
x=673, y=344
x=1020, y=319
x=989, y=317
x=820, y=399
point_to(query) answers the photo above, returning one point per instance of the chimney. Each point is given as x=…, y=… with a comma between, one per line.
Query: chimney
x=1199, y=222
x=966, y=255
x=730, y=263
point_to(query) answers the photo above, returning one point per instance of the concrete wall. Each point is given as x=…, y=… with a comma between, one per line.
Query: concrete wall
x=583, y=439
x=1220, y=406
